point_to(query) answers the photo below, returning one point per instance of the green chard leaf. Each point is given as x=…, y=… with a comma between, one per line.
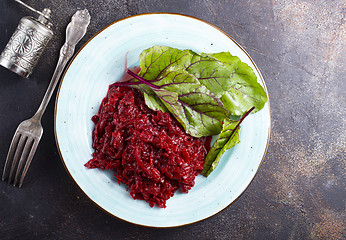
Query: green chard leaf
x=244, y=91
x=210, y=87
x=170, y=101
x=201, y=112
x=211, y=72
x=228, y=138
x=198, y=110
x=225, y=57
x=155, y=60
x=152, y=100
x=231, y=80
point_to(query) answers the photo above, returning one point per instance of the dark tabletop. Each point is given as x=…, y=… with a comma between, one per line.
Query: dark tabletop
x=299, y=192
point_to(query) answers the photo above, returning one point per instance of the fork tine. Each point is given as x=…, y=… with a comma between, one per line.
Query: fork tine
x=10, y=154
x=28, y=161
x=18, y=152
x=25, y=153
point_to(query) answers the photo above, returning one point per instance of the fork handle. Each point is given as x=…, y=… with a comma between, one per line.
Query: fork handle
x=75, y=30
x=66, y=53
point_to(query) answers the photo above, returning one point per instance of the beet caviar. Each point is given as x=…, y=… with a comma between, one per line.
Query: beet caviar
x=148, y=150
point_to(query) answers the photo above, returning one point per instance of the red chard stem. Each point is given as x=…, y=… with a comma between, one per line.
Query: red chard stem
x=141, y=79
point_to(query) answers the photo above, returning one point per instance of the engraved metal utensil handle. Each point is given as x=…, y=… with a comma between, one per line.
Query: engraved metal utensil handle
x=75, y=30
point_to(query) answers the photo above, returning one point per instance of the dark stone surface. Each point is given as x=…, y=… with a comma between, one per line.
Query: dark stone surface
x=299, y=193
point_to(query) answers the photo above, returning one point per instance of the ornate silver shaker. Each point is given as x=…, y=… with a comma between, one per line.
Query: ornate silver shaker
x=27, y=43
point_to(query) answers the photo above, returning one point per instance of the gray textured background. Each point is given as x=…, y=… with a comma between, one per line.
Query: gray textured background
x=299, y=193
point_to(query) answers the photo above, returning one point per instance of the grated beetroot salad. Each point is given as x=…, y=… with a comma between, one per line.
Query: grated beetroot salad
x=148, y=150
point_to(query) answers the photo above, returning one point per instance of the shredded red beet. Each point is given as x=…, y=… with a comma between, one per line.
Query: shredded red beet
x=149, y=150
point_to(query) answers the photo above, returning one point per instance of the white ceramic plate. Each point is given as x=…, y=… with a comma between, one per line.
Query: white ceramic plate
x=100, y=63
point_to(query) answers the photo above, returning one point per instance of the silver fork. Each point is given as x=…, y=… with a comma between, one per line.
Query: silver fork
x=29, y=132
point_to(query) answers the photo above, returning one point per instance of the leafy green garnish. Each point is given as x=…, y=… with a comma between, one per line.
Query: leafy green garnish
x=244, y=92
x=228, y=138
x=155, y=60
x=198, y=110
x=231, y=80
